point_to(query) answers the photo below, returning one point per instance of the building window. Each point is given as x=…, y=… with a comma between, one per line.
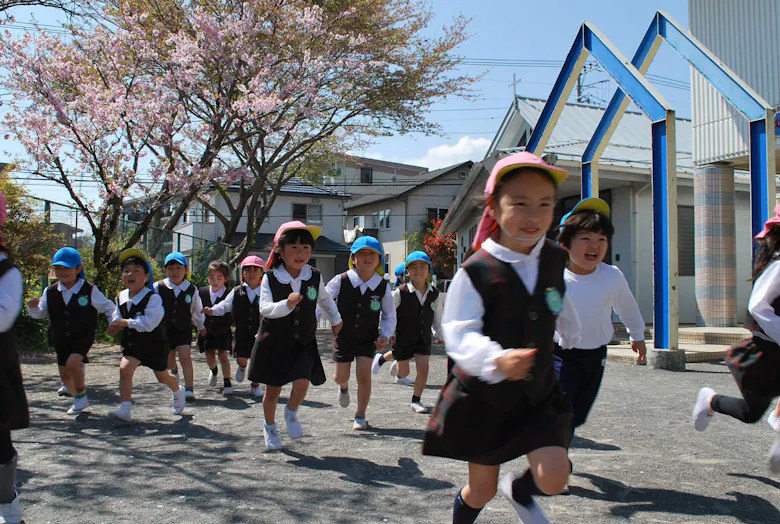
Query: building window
x=472, y=234
x=308, y=213
x=686, y=243
x=366, y=175
x=387, y=263
x=436, y=213
x=358, y=221
x=384, y=220
x=184, y=216
x=464, y=174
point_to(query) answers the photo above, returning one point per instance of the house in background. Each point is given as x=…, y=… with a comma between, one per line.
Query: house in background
x=406, y=206
x=360, y=176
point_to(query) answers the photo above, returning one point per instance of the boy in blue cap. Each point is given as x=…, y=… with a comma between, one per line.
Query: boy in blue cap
x=366, y=306
x=400, y=272
x=72, y=305
x=415, y=305
x=183, y=309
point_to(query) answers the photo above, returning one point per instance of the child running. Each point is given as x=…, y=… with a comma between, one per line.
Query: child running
x=502, y=400
x=183, y=309
x=754, y=362
x=595, y=289
x=139, y=317
x=244, y=302
x=286, y=350
x=15, y=413
x=219, y=334
x=72, y=305
x=366, y=304
x=415, y=306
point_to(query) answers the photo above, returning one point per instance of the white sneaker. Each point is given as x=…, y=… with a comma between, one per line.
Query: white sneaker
x=702, y=413
x=11, y=513
x=404, y=381
x=63, y=391
x=360, y=424
x=258, y=391
x=294, y=428
x=240, y=375
x=189, y=396
x=123, y=413
x=212, y=379
x=179, y=401
x=227, y=391
x=394, y=368
x=79, y=405
x=375, y=365
x=271, y=434
x=774, y=421
x=343, y=397
x=418, y=407
x=774, y=457
x=529, y=514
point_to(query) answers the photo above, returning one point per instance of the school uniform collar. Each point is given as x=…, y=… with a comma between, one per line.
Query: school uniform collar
x=74, y=290
x=284, y=277
x=217, y=294
x=372, y=283
x=411, y=288
x=181, y=287
x=124, y=296
x=251, y=293
x=504, y=254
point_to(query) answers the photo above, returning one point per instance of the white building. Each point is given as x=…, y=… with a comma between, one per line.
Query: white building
x=624, y=179
x=364, y=176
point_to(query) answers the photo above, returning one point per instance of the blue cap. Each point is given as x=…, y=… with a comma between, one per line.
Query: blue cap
x=372, y=244
x=400, y=269
x=176, y=257
x=68, y=257
x=420, y=256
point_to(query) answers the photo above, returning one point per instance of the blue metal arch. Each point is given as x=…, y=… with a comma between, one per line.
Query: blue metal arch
x=664, y=170
x=738, y=93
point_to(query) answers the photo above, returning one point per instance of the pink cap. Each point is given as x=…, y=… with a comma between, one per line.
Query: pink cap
x=775, y=220
x=487, y=225
x=252, y=260
x=295, y=224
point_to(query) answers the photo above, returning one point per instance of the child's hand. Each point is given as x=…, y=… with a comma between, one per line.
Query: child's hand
x=207, y=311
x=640, y=348
x=381, y=343
x=392, y=340
x=202, y=332
x=293, y=300
x=34, y=303
x=337, y=328
x=117, y=326
x=516, y=363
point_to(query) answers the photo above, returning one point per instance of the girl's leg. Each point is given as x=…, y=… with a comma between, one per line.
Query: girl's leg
x=127, y=369
x=482, y=486
x=242, y=362
x=7, y=468
x=74, y=367
x=270, y=401
x=163, y=377
x=224, y=361
x=185, y=358
x=363, y=376
x=299, y=389
x=211, y=359
x=403, y=368
x=421, y=380
x=67, y=380
x=547, y=474
x=172, y=361
x=748, y=409
x=341, y=374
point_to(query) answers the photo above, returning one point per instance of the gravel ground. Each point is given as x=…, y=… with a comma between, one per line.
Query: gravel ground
x=637, y=459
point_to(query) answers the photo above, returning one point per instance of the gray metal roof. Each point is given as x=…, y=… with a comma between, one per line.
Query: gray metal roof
x=404, y=185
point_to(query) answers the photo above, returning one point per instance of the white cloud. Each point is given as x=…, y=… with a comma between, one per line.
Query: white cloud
x=467, y=148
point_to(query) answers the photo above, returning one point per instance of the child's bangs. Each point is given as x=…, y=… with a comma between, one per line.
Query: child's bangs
x=293, y=236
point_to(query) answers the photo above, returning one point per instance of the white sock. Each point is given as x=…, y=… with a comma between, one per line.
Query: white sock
x=774, y=421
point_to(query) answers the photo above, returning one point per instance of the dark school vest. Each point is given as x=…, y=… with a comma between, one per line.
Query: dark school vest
x=300, y=326
x=215, y=325
x=177, y=309
x=132, y=339
x=246, y=315
x=74, y=323
x=414, y=319
x=516, y=319
x=360, y=312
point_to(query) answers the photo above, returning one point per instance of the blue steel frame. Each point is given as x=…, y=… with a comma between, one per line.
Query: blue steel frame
x=738, y=93
x=664, y=170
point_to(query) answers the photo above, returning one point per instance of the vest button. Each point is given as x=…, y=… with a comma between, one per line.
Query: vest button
x=533, y=315
x=67, y=313
x=295, y=335
x=359, y=304
x=296, y=322
x=67, y=334
x=129, y=344
x=357, y=316
x=297, y=308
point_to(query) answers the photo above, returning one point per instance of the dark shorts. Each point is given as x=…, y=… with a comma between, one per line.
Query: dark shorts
x=243, y=346
x=155, y=358
x=408, y=352
x=216, y=342
x=755, y=365
x=348, y=353
x=178, y=338
x=64, y=353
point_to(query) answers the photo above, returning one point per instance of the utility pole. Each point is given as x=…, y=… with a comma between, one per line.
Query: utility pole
x=513, y=85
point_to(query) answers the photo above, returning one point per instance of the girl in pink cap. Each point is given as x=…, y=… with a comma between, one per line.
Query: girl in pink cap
x=755, y=362
x=15, y=412
x=286, y=350
x=244, y=302
x=502, y=400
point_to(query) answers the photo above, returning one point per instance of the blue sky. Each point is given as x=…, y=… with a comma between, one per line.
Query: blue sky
x=503, y=29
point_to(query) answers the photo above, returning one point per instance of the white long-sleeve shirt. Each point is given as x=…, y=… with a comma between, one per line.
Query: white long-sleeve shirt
x=10, y=297
x=766, y=289
x=387, y=319
x=472, y=350
x=149, y=319
x=226, y=306
x=196, y=306
x=271, y=309
x=97, y=298
x=422, y=297
x=594, y=297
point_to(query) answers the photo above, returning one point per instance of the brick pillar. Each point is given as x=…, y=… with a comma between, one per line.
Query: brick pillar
x=716, y=258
